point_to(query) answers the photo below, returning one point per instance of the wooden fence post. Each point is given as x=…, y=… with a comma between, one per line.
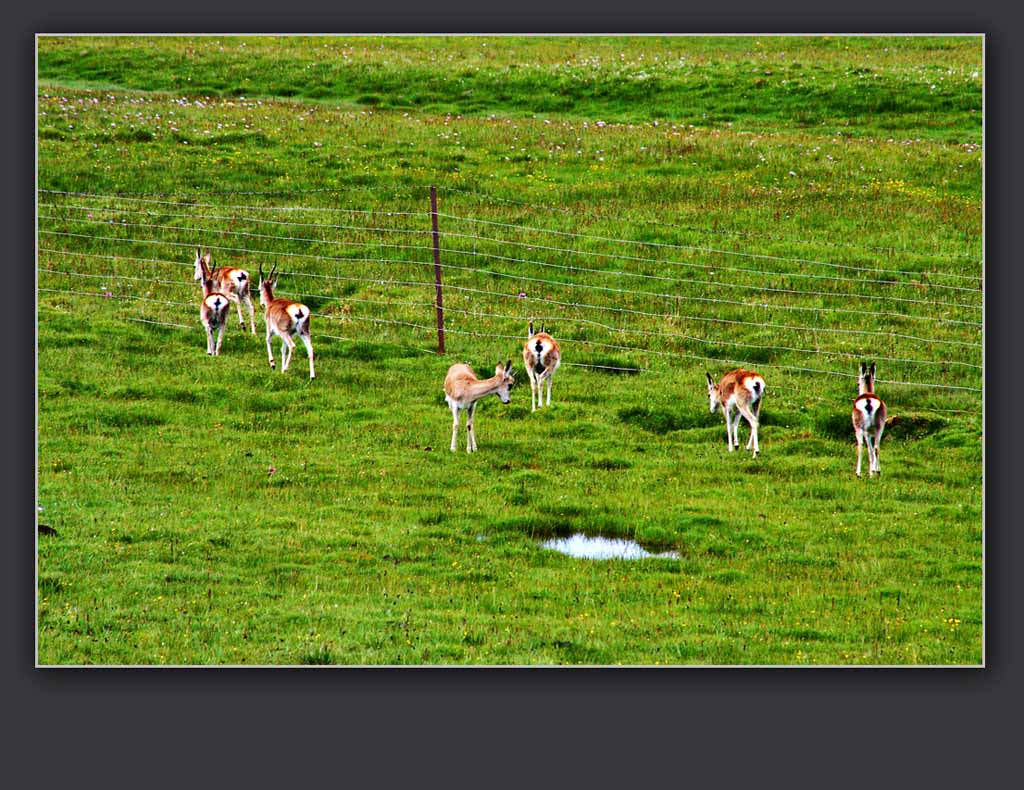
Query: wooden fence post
x=437, y=271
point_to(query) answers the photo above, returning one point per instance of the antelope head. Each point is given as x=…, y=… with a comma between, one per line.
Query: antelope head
x=507, y=377
x=866, y=378
x=267, y=286
x=202, y=266
x=714, y=396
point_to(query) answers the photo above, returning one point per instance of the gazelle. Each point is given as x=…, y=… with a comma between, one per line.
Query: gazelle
x=462, y=390
x=287, y=320
x=541, y=356
x=743, y=389
x=228, y=280
x=213, y=312
x=868, y=417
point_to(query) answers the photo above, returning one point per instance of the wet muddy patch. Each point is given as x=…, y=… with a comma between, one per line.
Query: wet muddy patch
x=600, y=548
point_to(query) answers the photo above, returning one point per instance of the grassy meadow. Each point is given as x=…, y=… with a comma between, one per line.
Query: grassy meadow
x=667, y=205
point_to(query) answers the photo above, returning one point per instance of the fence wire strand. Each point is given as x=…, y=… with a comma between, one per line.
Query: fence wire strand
x=524, y=278
x=307, y=217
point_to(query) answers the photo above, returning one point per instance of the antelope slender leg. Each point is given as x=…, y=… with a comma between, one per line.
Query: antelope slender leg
x=455, y=425
x=270, y=350
x=209, y=340
x=550, y=380
x=757, y=424
x=470, y=430
x=860, y=448
x=752, y=421
x=736, y=429
x=752, y=441
x=287, y=346
x=220, y=338
x=252, y=312
x=309, y=351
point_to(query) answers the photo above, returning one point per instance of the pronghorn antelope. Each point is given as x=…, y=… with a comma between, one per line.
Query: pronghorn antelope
x=213, y=312
x=287, y=320
x=743, y=389
x=228, y=280
x=462, y=390
x=541, y=356
x=868, y=416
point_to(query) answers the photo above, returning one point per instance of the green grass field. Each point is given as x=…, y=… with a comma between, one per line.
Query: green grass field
x=668, y=206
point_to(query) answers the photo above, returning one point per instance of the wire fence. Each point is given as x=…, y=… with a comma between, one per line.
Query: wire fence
x=616, y=304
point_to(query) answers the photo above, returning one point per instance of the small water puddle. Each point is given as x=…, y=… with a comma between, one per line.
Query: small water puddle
x=588, y=548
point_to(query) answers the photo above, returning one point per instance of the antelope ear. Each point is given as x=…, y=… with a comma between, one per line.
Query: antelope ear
x=872, y=368
x=207, y=258
x=542, y=329
x=531, y=330
x=711, y=381
x=508, y=365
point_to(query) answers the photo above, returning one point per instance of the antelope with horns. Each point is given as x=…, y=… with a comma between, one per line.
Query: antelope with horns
x=228, y=280
x=541, y=356
x=213, y=312
x=462, y=390
x=868, y=416
x=743, y=389
x=287, y=320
